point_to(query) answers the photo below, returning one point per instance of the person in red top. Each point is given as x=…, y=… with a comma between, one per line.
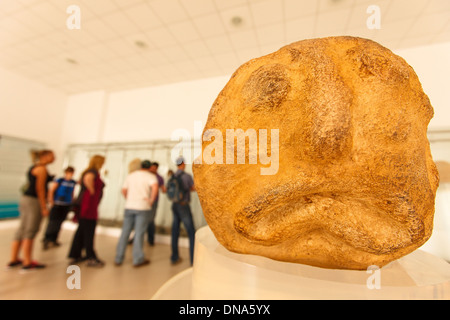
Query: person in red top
x=89, y=198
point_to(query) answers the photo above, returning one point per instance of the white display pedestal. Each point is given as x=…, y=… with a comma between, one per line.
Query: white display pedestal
x=223, y=275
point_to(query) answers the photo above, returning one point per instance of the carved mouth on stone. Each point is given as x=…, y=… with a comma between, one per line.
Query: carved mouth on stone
x=273, y=217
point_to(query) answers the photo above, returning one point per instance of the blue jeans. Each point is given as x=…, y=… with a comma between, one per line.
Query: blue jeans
x=151, y=225
x=137, y=219
x=182, y=213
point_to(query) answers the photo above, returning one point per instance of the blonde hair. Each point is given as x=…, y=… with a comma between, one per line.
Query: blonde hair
x=134, y=165
x=95, y=163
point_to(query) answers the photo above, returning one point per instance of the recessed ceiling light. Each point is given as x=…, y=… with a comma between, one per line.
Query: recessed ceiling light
x=71, y=61
x=237, y=21
x=141, y=44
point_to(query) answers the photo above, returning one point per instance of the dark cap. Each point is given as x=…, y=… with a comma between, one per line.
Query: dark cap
x=146, y=164
x=179, y=161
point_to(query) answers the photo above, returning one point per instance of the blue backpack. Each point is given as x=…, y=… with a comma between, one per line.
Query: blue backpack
x=175, y=188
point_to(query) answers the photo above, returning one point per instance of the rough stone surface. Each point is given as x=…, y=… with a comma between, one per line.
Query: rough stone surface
x=356, y=182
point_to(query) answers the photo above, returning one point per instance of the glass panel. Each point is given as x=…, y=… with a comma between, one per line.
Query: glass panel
x=112, y=173
x=15, y=160
x=440, y=149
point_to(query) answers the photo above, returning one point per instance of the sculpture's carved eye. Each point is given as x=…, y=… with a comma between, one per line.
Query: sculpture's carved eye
x=267, y=87
x=382, y=65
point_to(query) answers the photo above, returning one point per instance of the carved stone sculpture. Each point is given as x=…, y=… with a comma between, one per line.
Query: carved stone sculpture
x=355, y=182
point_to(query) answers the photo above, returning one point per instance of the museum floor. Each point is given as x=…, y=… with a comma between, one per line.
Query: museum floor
x=110, y=282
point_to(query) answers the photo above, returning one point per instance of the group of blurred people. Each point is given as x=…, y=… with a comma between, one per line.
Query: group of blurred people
x=55, y=200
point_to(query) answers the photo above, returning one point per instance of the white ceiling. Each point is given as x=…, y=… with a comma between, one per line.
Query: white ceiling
x=188, y=39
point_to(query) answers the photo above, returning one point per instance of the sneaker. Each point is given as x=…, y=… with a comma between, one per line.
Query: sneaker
x=77, y=260
x=32, y=266
x=143, y=263
x=95, y=263
x=56, y=244
x=14, y=264
x=47, y=244
x=178, y=261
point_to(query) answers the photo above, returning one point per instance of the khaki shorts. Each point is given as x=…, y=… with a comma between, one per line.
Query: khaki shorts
x=30, y=218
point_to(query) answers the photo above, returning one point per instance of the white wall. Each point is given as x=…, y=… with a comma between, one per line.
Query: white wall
x=154, y=113
x=143, y=114
x=84, y=117
x=432, y=66
x=32, y=111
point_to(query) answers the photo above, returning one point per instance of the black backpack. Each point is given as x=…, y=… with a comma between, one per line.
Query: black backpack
x=175, y=188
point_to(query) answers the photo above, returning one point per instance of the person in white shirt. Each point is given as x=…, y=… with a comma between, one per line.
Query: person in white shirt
x=139, y=189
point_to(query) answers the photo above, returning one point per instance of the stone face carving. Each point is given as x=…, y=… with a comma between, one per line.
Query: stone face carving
x=355, y=183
